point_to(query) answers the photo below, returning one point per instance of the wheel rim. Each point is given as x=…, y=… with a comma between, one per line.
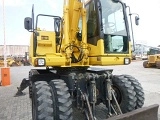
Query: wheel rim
x=118, y=94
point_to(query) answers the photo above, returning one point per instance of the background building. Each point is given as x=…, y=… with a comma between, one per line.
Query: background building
x=141, y=49
x=14, y=50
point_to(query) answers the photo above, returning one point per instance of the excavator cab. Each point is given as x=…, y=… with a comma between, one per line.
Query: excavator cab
x=107, y=24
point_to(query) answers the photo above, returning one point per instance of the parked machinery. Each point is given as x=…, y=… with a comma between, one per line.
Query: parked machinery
x=153, y=58
x=1, y=61
x=11, y=61
x=25, y=60
x=90, y=33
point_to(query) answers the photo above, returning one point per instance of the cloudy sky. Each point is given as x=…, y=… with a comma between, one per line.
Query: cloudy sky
x=147, y=32
x=16, y=11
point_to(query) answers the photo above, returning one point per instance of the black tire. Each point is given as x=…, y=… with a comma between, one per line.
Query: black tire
x=145, y=64
x=62, y=101
x=30, y=91
x=42, y=104
x=125, y=94
x=158, y=64
x=138, y=89
x=30, y=86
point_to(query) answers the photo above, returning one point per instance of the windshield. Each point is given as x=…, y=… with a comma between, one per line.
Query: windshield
x=154, y=51
x=45, y=23
x=114, y=28
x=113, y=18
x=111, y=24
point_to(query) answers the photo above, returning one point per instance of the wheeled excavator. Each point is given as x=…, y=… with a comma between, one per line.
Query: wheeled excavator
x=90, y=33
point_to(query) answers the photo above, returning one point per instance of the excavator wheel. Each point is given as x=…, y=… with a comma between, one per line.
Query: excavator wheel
x=30, y=91
x=62, y=103
x=42, y=103
x=124, y=93
x=14, y=64
x=138, y=89
x=145, y=64
x=158, y=64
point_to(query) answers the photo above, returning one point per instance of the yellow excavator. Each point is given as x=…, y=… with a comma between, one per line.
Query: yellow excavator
x=153, y=58
x=90, y=33
x=11, y=62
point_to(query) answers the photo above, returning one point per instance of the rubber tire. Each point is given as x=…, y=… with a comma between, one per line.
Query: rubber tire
x=42, y=104
x=158, y=64
x=14, y=64
x=145, y=64
x=127, y=97
x=30, y=86
x=30, y=92
x=138, y=89
x=61, y=99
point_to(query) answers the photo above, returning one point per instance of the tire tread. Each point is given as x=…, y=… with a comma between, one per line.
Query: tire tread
x=129, y=103
x=43, y=98
x=64, y=104
x=138, y=89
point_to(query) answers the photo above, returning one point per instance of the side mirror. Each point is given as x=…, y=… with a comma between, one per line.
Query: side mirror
x=137, y=20
x=28, y=23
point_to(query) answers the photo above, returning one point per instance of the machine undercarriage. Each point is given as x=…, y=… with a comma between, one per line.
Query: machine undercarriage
x=83, y=89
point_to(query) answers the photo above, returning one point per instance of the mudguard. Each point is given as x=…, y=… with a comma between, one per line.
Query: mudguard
x=145, y=113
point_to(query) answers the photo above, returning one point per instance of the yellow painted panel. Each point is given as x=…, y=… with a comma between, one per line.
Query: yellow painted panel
x=105, y=61
x=48, y=45
x=98, y=49
x=44, y=43
x=52, y=61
